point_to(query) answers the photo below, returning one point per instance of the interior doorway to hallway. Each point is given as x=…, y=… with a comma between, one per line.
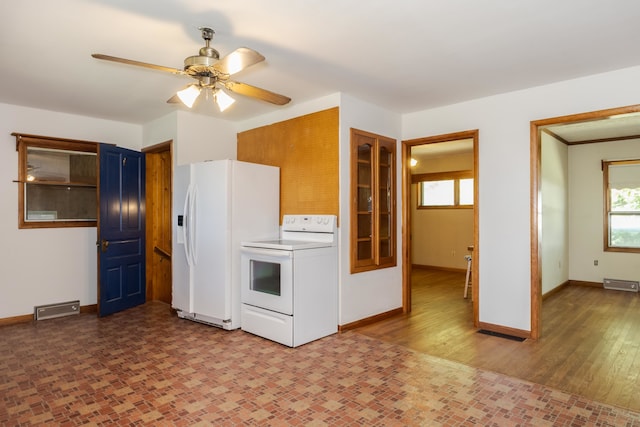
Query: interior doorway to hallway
x=455, y=144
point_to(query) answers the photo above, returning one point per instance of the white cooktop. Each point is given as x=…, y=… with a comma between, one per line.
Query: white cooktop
x=287, y=245
x=302, y=232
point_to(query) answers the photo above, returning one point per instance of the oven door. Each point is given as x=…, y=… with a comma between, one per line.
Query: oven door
x=266, y=278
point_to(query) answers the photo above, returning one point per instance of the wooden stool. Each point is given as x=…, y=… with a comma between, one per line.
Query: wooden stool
x=467, y=280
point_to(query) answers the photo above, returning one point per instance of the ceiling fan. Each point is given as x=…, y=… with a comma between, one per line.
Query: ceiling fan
x=212, y=75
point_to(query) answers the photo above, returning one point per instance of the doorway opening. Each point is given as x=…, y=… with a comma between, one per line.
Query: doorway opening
x=466, y=140
x=158, y=227
x=578, y=129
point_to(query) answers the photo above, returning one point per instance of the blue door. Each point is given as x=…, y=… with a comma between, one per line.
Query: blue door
x=121, y=229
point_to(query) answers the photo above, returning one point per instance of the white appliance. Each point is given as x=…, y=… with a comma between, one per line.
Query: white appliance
x=290, y=285
x=216, y=205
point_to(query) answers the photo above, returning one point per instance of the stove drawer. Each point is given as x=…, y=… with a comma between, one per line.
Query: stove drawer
x=268, y=324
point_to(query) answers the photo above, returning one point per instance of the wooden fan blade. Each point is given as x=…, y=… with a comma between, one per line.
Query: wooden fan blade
x=238, y=60
x=137, y=63
x=256, y=92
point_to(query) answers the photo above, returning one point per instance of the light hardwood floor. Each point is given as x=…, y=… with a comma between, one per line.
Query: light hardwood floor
x=590, y=342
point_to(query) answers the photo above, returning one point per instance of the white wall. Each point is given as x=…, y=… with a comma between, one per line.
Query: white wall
x=586, y=214
x=554, y=248
x=504, y=175
x=204, y=138
x=195, y=137
x=161, y=130
x=43, y=266
x=369, y=293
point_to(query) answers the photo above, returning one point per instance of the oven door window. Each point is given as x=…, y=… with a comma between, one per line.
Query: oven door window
x=265, y=277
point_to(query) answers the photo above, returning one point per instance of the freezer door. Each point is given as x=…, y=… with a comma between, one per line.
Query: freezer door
x=210, y=275
x=179, y=267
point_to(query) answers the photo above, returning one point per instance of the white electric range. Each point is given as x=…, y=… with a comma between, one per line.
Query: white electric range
x=290, y=286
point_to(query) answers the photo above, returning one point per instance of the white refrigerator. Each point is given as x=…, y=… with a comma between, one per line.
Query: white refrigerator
x=216, y=205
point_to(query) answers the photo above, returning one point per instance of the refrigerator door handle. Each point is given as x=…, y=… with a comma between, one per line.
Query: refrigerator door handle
x=187, y=226
x=193, y=249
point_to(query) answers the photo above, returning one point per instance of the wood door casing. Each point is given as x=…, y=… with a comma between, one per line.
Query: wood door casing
x=158, y=248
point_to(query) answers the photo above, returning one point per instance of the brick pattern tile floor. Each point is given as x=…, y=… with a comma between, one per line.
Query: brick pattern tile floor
x=147, y=367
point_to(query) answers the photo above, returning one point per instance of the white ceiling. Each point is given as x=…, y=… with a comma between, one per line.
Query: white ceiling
x=622, y=126
x=423, y=153
x=403, y=55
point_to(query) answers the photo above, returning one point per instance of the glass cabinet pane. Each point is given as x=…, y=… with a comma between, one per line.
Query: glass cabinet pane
x=385, y=179
x=385, y=249
x=365, y=226
x=384, y=235
x=364, y=199
x=364, y=251
x=384, y=199
x=364, y=152
x=364, y=174
x=60, y=203
x=50, y=165
x=385, y=157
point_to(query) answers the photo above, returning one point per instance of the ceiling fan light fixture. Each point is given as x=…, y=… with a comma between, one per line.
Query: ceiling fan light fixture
x=189, y=95
x=223, y=100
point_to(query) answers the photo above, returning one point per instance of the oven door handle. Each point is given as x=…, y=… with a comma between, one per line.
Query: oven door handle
x=274, y=253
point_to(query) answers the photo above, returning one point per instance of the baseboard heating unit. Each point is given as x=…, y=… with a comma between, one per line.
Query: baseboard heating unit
x=51, y=311
x=621, y=285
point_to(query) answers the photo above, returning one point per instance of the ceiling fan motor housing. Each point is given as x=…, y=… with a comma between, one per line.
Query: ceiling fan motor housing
x=199, y=65
x=200, y=61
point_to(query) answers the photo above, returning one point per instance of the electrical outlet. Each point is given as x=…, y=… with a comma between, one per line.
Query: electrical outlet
x=595, y=262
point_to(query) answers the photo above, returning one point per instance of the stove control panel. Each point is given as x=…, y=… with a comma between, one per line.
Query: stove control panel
x=310, y=223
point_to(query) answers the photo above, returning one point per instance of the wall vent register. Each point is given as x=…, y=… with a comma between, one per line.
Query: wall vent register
x=51, y=311
x=621, y=285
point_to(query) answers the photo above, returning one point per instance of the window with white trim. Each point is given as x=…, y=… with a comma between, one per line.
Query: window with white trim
x=622, y=205
x=445, y=189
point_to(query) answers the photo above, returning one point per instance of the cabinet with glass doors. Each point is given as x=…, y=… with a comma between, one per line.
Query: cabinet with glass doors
x=373, y=242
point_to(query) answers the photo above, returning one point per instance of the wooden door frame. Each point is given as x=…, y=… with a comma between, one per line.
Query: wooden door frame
x=536, y=195
x=154, y=149
x=406, y=215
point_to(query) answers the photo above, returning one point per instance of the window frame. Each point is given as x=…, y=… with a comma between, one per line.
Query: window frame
x=606, y=164
x=455, y=176
x=26, y=141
